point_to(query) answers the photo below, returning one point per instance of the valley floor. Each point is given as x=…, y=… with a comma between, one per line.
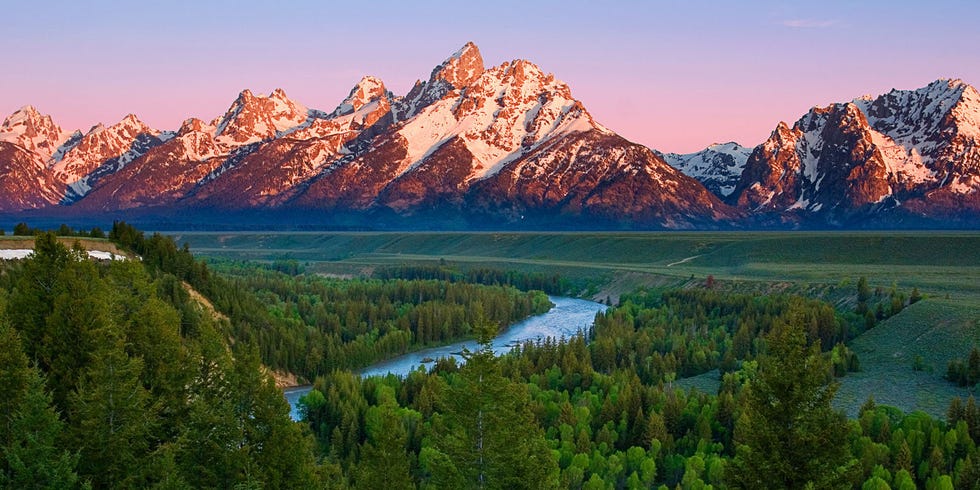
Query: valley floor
x=944, y=266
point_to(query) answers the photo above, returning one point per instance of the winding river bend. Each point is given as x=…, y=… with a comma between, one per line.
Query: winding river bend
x=565, y=319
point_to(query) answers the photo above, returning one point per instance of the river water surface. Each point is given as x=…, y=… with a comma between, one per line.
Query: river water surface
x=565, y=319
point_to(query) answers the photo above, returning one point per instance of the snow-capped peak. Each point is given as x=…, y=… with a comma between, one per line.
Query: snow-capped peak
x=917, y=125
x=718, y=166
x=917, y=148
x=252, y=118
x=503, y=114
x=34, y=131
x=25, y=113
x=368, y=90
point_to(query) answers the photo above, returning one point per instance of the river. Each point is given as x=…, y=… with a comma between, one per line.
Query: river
x=565, y=319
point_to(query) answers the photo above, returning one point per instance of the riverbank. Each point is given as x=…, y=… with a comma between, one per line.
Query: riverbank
x=564, y=320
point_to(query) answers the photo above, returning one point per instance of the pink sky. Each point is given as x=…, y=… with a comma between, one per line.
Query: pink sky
x=675, y=76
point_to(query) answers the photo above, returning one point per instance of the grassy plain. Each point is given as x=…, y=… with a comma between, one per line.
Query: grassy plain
x=945, y=266
x=936, y=262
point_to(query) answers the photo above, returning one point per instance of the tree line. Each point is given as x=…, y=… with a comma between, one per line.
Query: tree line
x=525, y=281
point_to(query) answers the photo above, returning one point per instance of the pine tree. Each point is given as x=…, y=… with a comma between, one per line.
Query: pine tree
x=76, y=325
x=384, y=461
x=903, y=460
x=111, y=415
x=32, y=457
x=14, y=377
x=32, y=299
x=490, y=438
x=973, y=367
x=208, y=450
x=279, y=453
x=915, y=297
x=789, y=435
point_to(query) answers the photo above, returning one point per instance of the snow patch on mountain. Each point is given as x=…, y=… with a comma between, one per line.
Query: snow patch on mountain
x=905, y=164
x=505, y=113
x=368, y=90
x=718, y=166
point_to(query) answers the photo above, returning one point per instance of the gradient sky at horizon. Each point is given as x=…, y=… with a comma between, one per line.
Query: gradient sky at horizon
x=675, y=76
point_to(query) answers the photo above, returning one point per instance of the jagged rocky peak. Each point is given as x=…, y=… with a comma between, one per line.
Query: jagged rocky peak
x=33, y=131
x=966, y=113
x=912, y=117
x=102, y=151
x=458, y=71
x=781, y=138
x=915, y=149
x=192, y=125
x=131, y=126
x=816, y=117
x=368, y=90
x=254, y=118
x=279, y=94
x=505, y=113
x=531, y=80
x=23, y=120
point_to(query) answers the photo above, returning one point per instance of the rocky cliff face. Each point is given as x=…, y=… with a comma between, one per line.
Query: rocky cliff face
x=24, y=182
x=915, y=151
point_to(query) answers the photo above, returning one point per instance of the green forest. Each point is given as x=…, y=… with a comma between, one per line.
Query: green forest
x=157, y=373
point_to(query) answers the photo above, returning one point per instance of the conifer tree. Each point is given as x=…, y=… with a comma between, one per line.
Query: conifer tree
x=207, y=449
x=78, y=323
x=789, y=436
x=14, y=376
x=32, y=457
x=279, y=453
x=32, y=299
x=490, y=438
x=111, y=415
x=384, y=460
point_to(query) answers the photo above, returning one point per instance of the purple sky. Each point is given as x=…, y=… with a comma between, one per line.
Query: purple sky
x=675, y=76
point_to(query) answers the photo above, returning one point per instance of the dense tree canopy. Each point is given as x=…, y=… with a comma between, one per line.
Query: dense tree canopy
x=788, y=436
x=123, y=380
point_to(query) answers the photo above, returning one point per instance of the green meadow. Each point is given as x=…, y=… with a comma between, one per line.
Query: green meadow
x=938, y=263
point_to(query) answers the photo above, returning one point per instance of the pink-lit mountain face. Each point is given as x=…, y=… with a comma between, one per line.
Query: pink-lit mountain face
x=915, y=151
x=504, y=146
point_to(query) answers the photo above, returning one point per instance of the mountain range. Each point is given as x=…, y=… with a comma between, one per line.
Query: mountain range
x=500, y=147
